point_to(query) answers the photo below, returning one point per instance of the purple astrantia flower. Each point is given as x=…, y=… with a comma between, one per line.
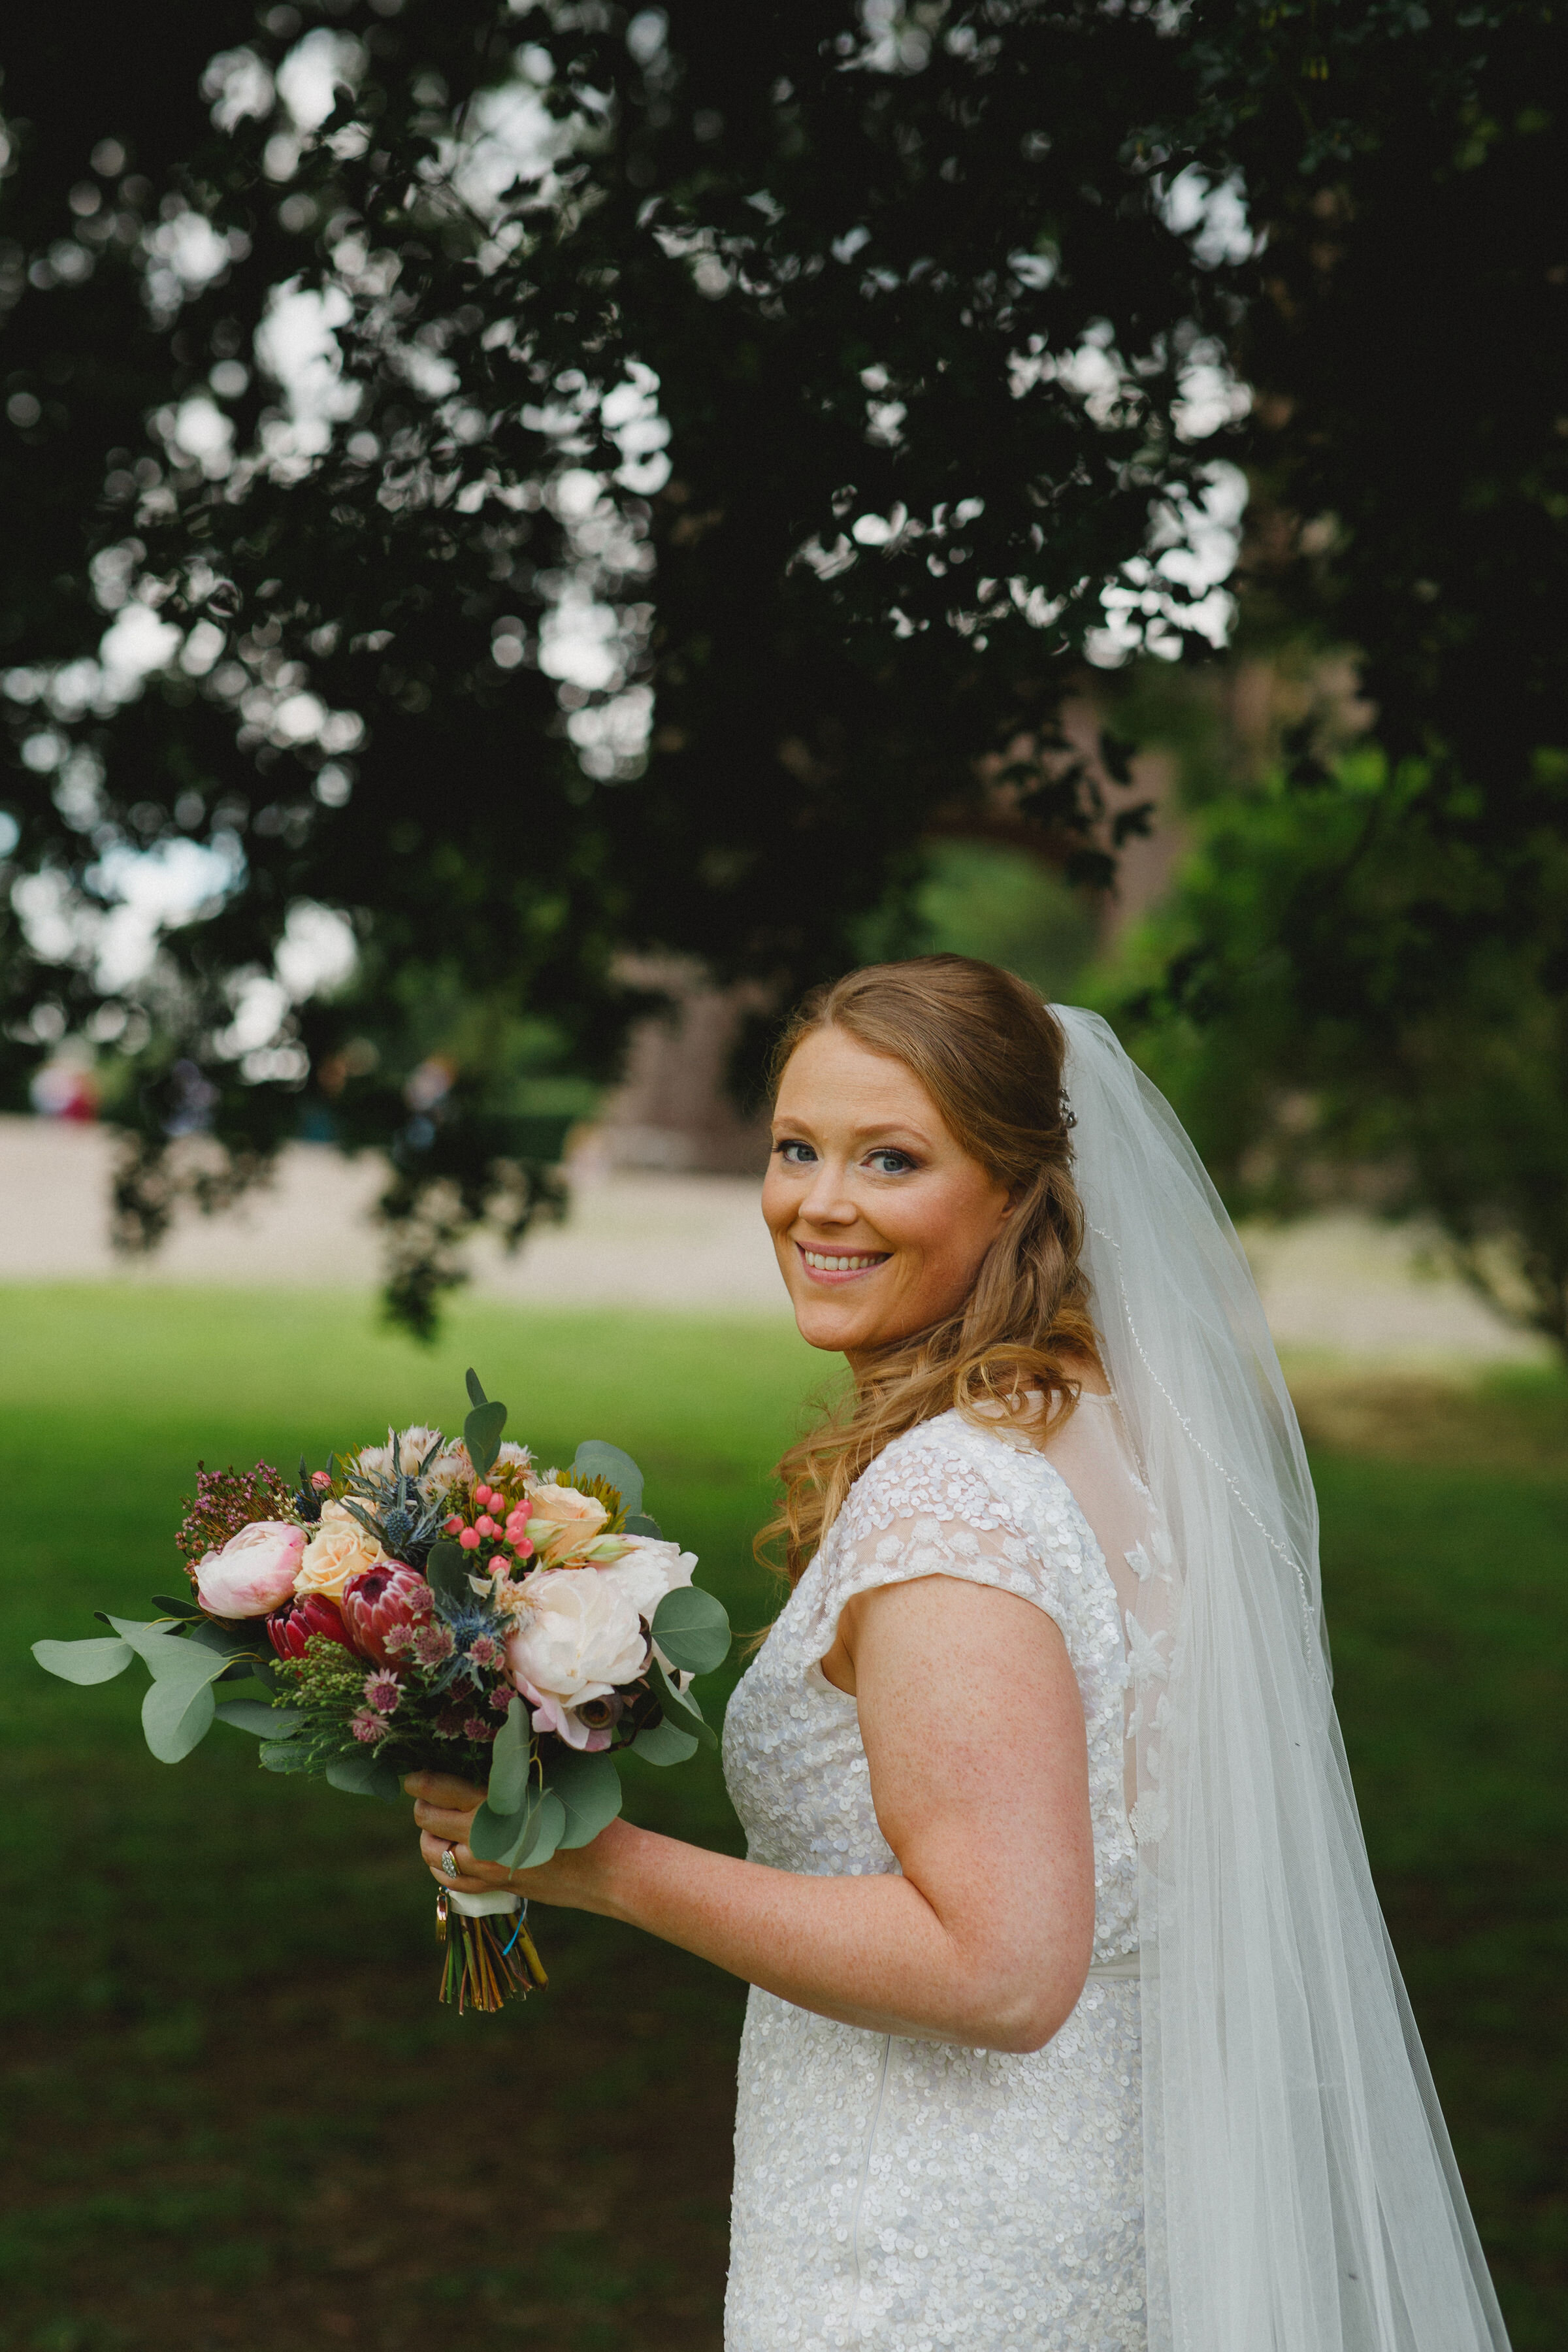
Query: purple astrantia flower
x=369, y=1726
x=486, y=1651
x=432, y=1643
x=382, y=1690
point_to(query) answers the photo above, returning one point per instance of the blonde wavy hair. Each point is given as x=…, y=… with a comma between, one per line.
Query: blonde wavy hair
x=989, y=1053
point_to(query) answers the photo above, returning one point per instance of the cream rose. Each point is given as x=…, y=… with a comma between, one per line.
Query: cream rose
x=254, y=1571
x=648, y=1568
x=563, y=1524
x=577, y=1637
x=340, y=1548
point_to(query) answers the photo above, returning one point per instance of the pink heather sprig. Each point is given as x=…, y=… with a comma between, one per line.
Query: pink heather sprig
x=226, y=1500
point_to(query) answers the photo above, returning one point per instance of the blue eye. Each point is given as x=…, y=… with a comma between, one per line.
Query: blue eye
x=787, y=1152
x=903, y=1164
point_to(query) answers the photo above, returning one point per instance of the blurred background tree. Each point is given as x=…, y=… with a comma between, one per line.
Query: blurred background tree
x=1362, y=985
x=556, y=482
x=497, y=487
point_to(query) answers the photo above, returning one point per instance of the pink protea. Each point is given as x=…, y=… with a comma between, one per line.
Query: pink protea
x=290, y=1627
x=381, y=1601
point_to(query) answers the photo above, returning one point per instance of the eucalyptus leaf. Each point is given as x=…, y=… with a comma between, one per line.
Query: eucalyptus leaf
x=255, y=1714
x=596, y=1458
x=589, y=1789
x=492, y=1835
x=246, y=1640
x=481, y=1434
x=517, y=1840
x=509, y=1760
x=475, y=1394
x=286, y=1756
x=681, y=1707
x=145, y=1634
x=177, y=1715
x=665, y=1743
x=546, y=1829
x=186, y=1664
x=692, y=1629
x=96, y=1661
x=173, y=1608
x=364, y=1775
x=639, y=1524
x=447, y=1574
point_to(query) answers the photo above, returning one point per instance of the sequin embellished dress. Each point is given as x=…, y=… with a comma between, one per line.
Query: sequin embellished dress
x=901, y=2195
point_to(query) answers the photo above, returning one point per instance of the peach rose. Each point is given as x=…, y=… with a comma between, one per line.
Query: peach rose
x=340, y=1548
x=564, y=1524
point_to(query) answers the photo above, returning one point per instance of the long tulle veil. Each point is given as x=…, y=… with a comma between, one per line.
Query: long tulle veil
x=1301, y=2194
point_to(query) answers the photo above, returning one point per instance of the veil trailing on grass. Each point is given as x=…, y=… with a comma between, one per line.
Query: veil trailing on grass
x=1300, y=2192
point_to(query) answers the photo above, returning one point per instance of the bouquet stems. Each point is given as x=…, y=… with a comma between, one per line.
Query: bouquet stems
x=488, y=1959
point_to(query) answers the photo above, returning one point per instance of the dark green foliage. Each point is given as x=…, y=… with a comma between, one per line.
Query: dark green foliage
x=1342, y=982
x=830, y=257
x=1368, y=969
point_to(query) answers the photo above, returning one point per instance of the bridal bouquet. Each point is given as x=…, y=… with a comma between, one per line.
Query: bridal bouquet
x=434, y=1606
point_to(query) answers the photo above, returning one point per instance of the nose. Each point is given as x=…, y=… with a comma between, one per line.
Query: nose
x=825, y=1201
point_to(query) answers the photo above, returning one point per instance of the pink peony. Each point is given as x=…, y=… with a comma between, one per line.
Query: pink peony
x=254, y=1571
x=382, y=1600
x=290, y=1628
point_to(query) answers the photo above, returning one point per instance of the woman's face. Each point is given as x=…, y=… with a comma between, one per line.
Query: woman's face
x=879, y=1217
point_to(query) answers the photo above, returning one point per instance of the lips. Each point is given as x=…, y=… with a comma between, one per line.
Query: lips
x=839, y=1265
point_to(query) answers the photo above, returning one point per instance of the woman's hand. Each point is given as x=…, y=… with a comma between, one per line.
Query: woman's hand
x=444, y=1807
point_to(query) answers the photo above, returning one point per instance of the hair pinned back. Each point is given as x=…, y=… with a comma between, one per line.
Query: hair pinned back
x=990, y=1053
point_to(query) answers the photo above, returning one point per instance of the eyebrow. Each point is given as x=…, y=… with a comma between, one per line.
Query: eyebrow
x=886, y=1127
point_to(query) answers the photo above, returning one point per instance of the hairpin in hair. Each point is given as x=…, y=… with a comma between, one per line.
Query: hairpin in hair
x=1070, y=1115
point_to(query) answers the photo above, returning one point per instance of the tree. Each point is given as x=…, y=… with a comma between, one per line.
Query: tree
x=830, y=360
x=1368, y=964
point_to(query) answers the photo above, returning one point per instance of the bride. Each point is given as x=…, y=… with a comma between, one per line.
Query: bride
x=1074, y=2026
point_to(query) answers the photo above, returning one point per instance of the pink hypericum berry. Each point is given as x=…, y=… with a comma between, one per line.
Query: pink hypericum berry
x=486, y=1525
x=484, y=1497
x=320, y=1480
x=469, y=1538
x=452, y=1525
x=524, y=1548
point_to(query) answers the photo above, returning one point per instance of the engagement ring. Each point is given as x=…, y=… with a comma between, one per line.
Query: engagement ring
x=449, y=1861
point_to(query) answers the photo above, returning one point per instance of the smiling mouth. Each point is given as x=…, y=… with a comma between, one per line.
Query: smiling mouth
x=840, y=1266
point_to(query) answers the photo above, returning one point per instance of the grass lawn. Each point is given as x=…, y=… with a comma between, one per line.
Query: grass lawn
x=234, y=2114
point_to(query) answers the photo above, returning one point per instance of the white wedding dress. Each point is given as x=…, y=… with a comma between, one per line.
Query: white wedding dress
x=905, y=2195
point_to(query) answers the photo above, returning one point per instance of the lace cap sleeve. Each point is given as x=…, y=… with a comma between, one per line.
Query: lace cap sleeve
x=946, y=1499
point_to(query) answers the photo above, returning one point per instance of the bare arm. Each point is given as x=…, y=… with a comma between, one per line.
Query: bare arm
x=974, y=1731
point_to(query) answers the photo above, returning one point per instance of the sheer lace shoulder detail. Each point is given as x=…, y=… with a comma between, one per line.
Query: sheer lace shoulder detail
x=948, y=1499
